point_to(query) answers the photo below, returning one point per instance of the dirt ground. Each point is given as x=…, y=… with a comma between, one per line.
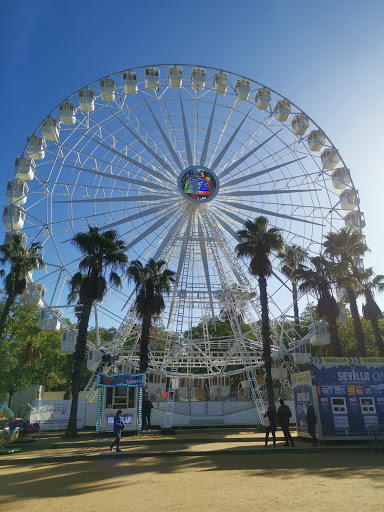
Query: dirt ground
x=264, y=482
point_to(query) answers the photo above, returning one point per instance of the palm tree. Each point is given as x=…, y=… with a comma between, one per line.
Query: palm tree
x=318, y=278
x=371, y=311
x=22, y=260
x=291, y=257
x=151, y=282
x=346, y=247
x=101, y=252
x=257, y=242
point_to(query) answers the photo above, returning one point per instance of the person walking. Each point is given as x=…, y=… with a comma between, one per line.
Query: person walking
x=118, y=426
x=270, y=425
x=284, y=413
x=146, y=411
x=311, y=421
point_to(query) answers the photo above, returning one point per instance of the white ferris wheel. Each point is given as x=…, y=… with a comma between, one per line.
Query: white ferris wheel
x=176, y=158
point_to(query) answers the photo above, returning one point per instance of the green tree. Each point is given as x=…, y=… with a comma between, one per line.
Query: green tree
x=21, y=261
x=151, y=282
x=371, y=284
x=318, y=278
x=102, y=253
x=257, y=242
x=291, y=257
x=346, y=247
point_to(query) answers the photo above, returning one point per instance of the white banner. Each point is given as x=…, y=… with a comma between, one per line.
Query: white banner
x=54, y=414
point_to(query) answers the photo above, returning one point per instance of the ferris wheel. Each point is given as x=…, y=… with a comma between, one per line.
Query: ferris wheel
x=176, y=158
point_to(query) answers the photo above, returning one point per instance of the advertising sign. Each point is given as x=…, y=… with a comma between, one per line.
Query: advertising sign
x=123, y=379
x=127, y=419
x=302, y=393
x=54, y=414
x=350, y=393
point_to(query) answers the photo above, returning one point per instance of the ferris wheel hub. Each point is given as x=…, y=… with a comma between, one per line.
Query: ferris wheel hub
x=198, y=183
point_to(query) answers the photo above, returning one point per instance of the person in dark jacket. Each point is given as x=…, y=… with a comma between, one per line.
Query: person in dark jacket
x=311, y=421
x=146, y=412
x=270, y=425
x=284, y=413
x=118, y=426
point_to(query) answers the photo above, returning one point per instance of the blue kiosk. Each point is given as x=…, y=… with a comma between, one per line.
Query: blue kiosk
x=346, y=392
x=120, y=391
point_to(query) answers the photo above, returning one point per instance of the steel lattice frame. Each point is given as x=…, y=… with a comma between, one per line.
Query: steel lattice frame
x=118, y=167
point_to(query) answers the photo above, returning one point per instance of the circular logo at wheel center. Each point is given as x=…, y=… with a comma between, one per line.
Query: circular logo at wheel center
x=198, y=184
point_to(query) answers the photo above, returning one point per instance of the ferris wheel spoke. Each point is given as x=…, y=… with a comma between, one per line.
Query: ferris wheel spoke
x=270, y=192
x=143, y=184
x=154, y=155
x=186, y=134
x=245, y=157
x=205, y=265
x=139, y=215
x=151, y=229
x=258, y=173
x=172, y=233
x=148, y=198
x=226, y=226
x=166, y=140
x=220, y=156
x=148, y=170
x=208, y=135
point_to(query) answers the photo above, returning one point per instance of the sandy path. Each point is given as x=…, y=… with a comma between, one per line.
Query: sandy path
x=265, y=482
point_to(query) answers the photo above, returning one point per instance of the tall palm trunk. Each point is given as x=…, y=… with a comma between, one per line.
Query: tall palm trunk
x=266, y=334
x=144, y=352
x=78, y=358
x=296, y=310
x=361, y=350
x=377, y=333
x=5, y=313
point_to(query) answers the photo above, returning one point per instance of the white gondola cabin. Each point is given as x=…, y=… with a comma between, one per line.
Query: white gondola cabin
x=300, y=124
x=24, y=168
x=316, y=140
x=220, y=83
x=175, y=77
x=108, y=89
x=355, y=220
x=263, y=98
x=67, y=113
x=349, y=199
x=341, y=178
x=87, y=100
x=51, y=129
x=21, y=236
x=17, y=192
x=50, y=319
x=152, y=78
x=36, y=147
x=68, y=341
x=319, y=335
x=13, y=217
x=33, y=295
x=282, y=110
x=329, y=158
x=197, y=79
x=242, y=89
x=301, y=357
x=130, y=82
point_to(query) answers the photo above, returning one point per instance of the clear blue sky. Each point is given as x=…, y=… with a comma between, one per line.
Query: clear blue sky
x=326, y=57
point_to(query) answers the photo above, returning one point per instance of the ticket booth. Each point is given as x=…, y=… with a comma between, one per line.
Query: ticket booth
x=346, y=392
x=120, y=391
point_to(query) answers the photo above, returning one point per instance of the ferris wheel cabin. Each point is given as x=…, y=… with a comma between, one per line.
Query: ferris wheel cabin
x=316, y=140
x=282, y=110
x=68, y=341
x=33, y=295
x=152, y=78
x=319, y=335
x=51, y=129
x=263, y=99
x=108, y=90
x=87, y=100
x=197, y=79
x=355, y=220
x=13, y=217
x=130, y=82
x=24, y=168
x=300, y=124
x=175, y=77
x=220, y=83
x=341, y=178
x=21, y=236
x=242, y=89
x=67, y=113
x=349, y=199
x=50, y=319
x=36, y=147
x=329, y=158
x=17, y=192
